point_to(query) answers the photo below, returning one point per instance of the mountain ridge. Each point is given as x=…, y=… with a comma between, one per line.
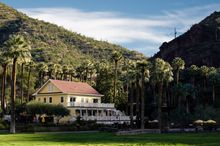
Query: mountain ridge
x=200, y=45
x=52, y=43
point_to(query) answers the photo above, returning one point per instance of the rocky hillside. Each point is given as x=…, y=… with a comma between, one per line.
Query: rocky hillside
x=200, y=45
x=51, y=43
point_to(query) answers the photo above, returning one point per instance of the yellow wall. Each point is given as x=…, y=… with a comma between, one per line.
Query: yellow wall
x=56, y=98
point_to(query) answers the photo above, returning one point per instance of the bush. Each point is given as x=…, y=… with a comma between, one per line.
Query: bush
x=40, y=108
x=205, y=113
x=180, y=117
x=3, y=125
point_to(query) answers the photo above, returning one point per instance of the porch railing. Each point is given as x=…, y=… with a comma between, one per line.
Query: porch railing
x=100, y=105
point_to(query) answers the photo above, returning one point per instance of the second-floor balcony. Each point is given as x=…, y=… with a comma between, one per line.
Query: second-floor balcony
x=98, y=105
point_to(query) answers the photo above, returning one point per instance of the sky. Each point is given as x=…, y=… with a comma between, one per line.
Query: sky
x=141, y=25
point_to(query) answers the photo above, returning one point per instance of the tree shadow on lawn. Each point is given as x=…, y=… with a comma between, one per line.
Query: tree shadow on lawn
x=101, y=138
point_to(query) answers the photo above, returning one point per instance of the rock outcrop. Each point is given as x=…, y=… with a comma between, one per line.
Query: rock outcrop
x=200, y=45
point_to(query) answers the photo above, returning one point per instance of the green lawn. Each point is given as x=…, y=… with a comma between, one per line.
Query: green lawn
x=205, y=139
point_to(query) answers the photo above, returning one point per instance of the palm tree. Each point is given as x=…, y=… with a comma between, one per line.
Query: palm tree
x=178, y=64
x=91, y=72
x=52, y=70
x=4, y=60
x=213, y=77
x=65, y=70
x=204, y=70
x=25, y=61
x=18, y=50
x=30, y=65
x=87, y=65
x=72, y=73
x=116, y=56
x=59, y=71
x=161, y=71
x=168, y=77
x=193, y=69
x=43, y=69
x=79, y=71
x=184, y=90
x=142, y=66
x=130, y=76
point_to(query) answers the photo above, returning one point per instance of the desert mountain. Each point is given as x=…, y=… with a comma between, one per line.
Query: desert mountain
x=200, y=45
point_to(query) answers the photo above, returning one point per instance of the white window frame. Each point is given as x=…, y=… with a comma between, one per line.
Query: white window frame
x=72, y=99
x=51, y=99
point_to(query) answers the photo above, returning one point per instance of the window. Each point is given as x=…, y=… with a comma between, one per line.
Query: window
x=61, y=99
x=72, y=99
x=82, y=100
x=50, y=99
x=87, y=100
x=95, y=100
x=50, y=88
x=38, y=99
x=45, y=100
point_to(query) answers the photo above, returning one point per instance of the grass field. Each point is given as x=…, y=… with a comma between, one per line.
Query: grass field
x=205, y=139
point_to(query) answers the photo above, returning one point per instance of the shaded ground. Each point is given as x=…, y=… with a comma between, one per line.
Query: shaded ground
x=68, y=139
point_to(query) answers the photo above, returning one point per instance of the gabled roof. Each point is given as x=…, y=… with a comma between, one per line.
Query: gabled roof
x=70, y=87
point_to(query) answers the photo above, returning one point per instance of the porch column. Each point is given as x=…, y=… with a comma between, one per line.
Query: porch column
x=86, y=112
x=92, y=112
x=107, y=112
x=80, y=112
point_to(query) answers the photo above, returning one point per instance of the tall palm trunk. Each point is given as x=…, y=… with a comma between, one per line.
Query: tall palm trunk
x=56, y=76
x=159, y=105
x=71, y=77
x=154, y=93
x=86, y=76
x=43, y=77
x=28, y=85
x=177, y=76
x=90, y=78
x=213, y=94
x=131, y=105
x=187, y=105
x=4, y=73
x=115, y=79
x=142, y=100
x=22, y=76
x=137, y=102
x=65, y=76
x=13, y=95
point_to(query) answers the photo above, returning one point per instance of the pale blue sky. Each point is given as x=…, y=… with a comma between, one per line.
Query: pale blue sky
x=140, y=25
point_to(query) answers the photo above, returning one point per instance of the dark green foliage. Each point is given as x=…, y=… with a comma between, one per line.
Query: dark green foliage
x=34, y=108
x=206, y=113
x=180, y=117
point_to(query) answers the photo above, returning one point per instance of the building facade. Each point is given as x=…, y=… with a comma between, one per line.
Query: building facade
x=82, y=100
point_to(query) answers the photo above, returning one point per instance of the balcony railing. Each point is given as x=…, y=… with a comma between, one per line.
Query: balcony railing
x=99, y=105
x=107, y=118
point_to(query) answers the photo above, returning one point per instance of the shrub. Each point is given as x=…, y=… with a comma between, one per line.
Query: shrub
x=180, y=117
x=59, y=110
x=3, y=125
x=205, y=113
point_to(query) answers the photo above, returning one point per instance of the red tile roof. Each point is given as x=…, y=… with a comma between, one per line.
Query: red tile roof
x=74, y=87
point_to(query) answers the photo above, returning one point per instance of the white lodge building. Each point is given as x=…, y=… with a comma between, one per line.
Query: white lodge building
x=82, y=100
